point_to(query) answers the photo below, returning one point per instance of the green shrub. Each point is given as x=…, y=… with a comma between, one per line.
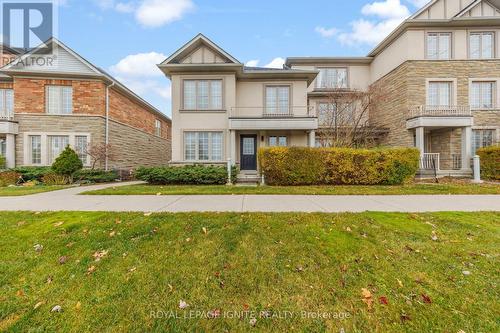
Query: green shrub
x=186, y=175
x=32, y=173
x=338, y=166
x=53, y=178
x=8, y=178
x=96, y=176
x=67, y=163
x=490, y=162
x=3, y=161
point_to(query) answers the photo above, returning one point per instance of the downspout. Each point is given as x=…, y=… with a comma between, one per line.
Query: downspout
x=106, y=167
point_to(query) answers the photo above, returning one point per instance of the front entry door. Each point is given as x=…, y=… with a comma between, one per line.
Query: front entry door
x=248, y=150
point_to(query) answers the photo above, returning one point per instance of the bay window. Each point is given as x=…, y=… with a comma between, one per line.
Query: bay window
x=332, y=78
x=438, y=45
x=203, y=146
x=483, y=95
x=202, y=94
x=277, y=100
x=481, y=45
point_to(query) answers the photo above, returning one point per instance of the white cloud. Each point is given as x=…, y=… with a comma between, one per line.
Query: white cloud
x=388, y=14
x=325, y=32
x=252, y=63
x=419, y=3
x=386, y=9
x=155, y=13
x=276, y=63
x=139, y=65
x=124, y=7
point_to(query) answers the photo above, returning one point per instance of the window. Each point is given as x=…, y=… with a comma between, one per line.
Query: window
x=326, y=114
x=157, y=127
x=56, y=146
x=36, y=149
x=331, y=78
x=277, y=100
x=59, y=100
x=483, y=95
x=482, y=138
x=481, y=45
x=278, y=141
x=439, y=94
x=439, y=45
x=6, y=102
x=3, y=147
x=81, y=148
x=202, y=94
x=203, y=146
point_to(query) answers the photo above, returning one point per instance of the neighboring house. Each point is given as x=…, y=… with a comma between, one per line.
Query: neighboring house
x=440, y=71
x=44, y=108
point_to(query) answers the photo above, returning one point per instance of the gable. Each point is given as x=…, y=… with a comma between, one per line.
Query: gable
x=480, y=9
x=442, y=9
x=204, y=55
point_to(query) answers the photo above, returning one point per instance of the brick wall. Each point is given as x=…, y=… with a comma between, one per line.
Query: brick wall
x=6, y=85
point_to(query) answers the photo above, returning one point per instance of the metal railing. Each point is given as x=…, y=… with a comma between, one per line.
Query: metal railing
x=430, y=161
x=6, y=115
x=272, y=112
x=439, y=111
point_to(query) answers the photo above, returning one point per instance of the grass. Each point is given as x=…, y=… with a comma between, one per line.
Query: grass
x=311, y=190
x=259, y=263
x=26, y=190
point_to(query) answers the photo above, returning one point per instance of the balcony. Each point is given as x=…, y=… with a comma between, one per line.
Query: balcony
x=439, y=116
x=262, y=118
x=6, y=115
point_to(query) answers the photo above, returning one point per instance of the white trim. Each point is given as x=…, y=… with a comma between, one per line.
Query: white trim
x=44, y=145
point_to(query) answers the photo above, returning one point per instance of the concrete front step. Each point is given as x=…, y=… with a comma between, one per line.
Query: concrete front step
x=248, y=178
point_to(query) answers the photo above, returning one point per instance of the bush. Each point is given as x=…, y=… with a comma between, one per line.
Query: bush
x=53, y=178
x=186, y=175
x=8, y=178
x=490, y=162
x=67, y=163
x=96, y=176
x=338, y=166
x=3, y=161
x=32, y=173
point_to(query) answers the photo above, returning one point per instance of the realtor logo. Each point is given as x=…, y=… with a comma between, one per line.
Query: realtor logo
x=27, y=25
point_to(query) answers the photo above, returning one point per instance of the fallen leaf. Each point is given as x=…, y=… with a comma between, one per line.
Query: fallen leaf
x=404, y=317
x=21, y=223
x=62, y=260
x=367, y=297
x=466, y=272
x=426, y=299
x=56, y=308
x=38, y=248
x=50, y=278
x=170, y=287
x=400, y=283
x=158, y=194
x=70, y=244
x=20, y=293
x=205, y=231
x=37, y=305
x=58, y=224
x=148, y=214
x=78, y=306
x=118, y=221
x=98, y=255
x=188, y=240
x=182, y=304
x=383, y=300
x=112, y=233
x=434, y=237
x=348, y=229
x=133, y=269
x=91, y=270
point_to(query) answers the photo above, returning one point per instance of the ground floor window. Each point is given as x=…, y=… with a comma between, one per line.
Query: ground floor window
x=3, y=147
x=482, y=138
x=203, y=146
x=56, y=143
x=35, y=142
x=44, y=148
x=81, y=148
x=278, y=141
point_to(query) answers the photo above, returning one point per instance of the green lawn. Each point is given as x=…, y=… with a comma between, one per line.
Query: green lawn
x=289, y=267
x=316, y=190
x=26, y=190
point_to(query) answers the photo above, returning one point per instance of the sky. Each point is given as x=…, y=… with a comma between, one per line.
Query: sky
x=129, y=37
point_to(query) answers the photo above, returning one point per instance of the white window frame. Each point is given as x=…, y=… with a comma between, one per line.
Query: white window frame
x=60, y=108
x=6, y=103
x=3, y=146
x=322, y=71
x=210, y=146
x=45, y=146
x=30, y=144
x=276, y=107
x=438, y=46
x=496, y=92
x=278, y=140
x=481, y=34
x=157, y=127
x=494, y=138
x=211, y=106
x=453, y=93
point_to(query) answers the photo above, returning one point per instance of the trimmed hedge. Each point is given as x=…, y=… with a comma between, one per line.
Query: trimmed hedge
x=490, y=162
x=185, y=175
x=32, y=173
x=338, y=166
x=96, y=176
x=3, y=161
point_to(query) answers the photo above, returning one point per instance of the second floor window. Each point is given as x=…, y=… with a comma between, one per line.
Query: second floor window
x=481, y=45
x=326, y=114
x=277, y=100
x=482, y=95
x=202, y=94
x=439, y=94
x=6, y=102
x=332, y=78
x=439, y=45
x=157, y=127
x=59, y=99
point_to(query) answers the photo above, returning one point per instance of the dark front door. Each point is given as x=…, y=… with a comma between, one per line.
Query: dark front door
x=248, y=151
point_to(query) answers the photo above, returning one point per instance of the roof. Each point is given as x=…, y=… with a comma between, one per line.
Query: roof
x=327, y=60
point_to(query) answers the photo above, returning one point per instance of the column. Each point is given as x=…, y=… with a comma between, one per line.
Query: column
x=312, y=139
x=419, y=131
x=232, y=146
x=466, y=147
x=10, y=150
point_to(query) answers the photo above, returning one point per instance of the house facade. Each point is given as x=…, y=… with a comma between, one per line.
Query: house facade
x=44, y=108
x=439, y=71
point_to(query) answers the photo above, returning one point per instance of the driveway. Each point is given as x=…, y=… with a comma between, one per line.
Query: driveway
x=69, y=200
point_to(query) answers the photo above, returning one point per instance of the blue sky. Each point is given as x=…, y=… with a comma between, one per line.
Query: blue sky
x=127, y=37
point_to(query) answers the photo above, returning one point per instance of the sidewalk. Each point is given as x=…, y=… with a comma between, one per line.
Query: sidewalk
x=69, y=200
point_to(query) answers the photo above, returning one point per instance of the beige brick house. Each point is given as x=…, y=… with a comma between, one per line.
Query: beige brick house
x=44, y=108
x=440, y=70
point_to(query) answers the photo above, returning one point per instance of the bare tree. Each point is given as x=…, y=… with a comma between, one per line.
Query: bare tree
x=98, y=153
x=344, y=118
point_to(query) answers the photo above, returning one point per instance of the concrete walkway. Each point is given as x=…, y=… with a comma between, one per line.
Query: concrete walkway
x=68, y=200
